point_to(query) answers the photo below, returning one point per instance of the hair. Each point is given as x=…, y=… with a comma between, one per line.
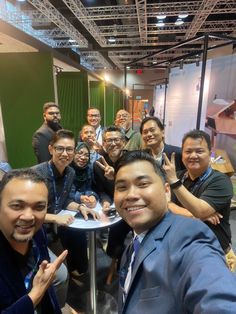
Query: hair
x=93, y=108
x=21, y=174
x=138, y=155
x=62, y=134
x=87, y=126
x=196, y=134
x=113, y=128
x=48, y=105
x=81, y=145
x=158, y=122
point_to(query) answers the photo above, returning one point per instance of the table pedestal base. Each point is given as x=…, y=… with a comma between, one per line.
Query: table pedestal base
x=106, y=303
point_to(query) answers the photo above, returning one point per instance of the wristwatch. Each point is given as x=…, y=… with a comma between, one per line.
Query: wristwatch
x=176, y=184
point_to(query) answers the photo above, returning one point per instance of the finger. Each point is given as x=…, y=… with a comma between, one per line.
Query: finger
x=42, y=266
x=173, y=158
x=166, y=159
x=100, y=165
x=84, y=213
x=103, y=160
x=59, y=260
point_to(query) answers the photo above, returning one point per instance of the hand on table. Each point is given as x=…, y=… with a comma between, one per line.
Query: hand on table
x=85, y=211
x=89, y=201
x=108, y=170
x=106, y=206
x=64, y=220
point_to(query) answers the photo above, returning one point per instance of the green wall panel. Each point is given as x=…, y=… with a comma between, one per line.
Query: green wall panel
x=73, y=99
x=26, y=83
x=110, y=115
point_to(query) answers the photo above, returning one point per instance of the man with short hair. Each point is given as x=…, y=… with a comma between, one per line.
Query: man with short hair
x=174, y=264
x=60, y=177
x=152, y=131
x=94, y=119
x=43, y=136
x=200, y=190
x=26, y=274
x=88, y=135
x=133, y=139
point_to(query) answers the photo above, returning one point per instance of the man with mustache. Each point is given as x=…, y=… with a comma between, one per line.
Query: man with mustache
x=26, y=274
x=174, y=264
x=43, y=136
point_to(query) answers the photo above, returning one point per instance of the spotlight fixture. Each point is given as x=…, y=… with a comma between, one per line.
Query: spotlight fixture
x=183, y=15
x=179, y=22
x=161, y=16
x=112, y=40
x=160, y=23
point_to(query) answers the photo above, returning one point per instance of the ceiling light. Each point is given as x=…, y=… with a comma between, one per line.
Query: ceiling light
x=179, y=22
x=154, y=62
x=161, y=16
x=21, y=0
x=160, y=24
x=128, y=67
x=183, y=15
x=111, y=40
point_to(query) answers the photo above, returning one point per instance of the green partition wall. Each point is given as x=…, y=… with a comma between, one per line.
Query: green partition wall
x=107, y=98
x=72, y=90
x=26, y=82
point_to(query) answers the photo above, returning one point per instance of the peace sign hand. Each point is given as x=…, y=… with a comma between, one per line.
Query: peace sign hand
x=169, y=167
x=108, y=170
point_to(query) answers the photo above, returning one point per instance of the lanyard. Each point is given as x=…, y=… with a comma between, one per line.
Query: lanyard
x=200, y=179
x=98, y=134
x=57, y=197
x=30, y=275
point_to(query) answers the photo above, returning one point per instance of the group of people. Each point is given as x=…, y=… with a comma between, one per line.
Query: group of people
x=177, y=262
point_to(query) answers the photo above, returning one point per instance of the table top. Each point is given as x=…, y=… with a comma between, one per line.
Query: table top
x=223, y=164
x=91, y=224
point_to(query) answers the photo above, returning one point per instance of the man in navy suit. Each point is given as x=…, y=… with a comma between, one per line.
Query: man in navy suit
x=178, y=265
x=26, y=273
x=152, y=131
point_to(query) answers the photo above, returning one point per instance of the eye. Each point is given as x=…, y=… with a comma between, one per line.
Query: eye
x=120, y=187
x=16, y=206
x=144, y=184
x=40, y=207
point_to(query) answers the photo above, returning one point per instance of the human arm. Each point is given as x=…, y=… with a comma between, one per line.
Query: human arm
x=61, y=220
x=197, y=206
x=85, y=211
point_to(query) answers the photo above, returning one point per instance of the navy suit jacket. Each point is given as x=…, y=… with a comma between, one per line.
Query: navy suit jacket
x=180, y=268
x=13, y=295
x=169, y=149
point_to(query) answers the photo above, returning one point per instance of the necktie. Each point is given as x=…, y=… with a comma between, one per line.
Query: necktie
x=134, y=251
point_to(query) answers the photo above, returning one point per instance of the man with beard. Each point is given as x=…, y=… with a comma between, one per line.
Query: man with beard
x=133, y=139
x=26, y=274
x=44, y=134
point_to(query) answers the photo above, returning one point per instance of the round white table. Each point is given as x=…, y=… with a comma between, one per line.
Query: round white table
x=92, y=226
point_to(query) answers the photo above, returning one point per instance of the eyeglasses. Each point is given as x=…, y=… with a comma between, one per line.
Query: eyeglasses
x=125, y=115
x=61, y=149
x=94, y=115
x=81, y=154
x=53, y=113
x=116, y=140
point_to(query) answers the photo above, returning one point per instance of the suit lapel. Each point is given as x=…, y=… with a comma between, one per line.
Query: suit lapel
x=151, y=242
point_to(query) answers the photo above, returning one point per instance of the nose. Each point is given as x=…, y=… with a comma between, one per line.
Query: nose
x=193, y=154
x=27, y=214
x=132, y=193
x=64, y=152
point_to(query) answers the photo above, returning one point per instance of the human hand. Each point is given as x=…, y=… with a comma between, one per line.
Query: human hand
x=85, y=211
x=106, y=206
x=64, y=220
x=108, y=170
x=89, y=201
x=169, y=167
x=44, y=278
x=214, y=218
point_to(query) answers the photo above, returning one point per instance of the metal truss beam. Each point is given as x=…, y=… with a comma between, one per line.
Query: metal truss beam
x=169, y=8
x=45, y=7
x=82, y=15
x=204, y=11
x=142, y=20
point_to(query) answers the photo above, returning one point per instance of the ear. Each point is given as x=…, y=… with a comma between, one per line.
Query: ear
x=163, y=135
x=50, y=148
x=167, y=191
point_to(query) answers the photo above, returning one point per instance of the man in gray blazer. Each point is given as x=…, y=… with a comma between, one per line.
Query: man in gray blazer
x=43, y=136
x=177, y=264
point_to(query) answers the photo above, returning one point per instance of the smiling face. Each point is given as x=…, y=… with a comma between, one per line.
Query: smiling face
x=113, y=144
x=62, y=152
x=22, y=210
x=195, y=156
x=152, y=135
x=94, y=117
x=140, y=195
x=81, y=158
x=123, y=119
x=88, y=134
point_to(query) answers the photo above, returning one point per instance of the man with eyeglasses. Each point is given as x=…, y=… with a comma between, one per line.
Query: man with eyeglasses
x=60, y=177
x=94, y=119
x=113, y=143
x=44, y=134
x=133, y=139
